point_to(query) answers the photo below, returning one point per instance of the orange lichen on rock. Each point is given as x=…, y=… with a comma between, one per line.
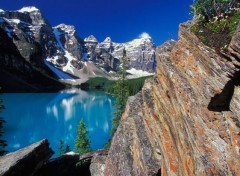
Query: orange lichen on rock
x=186, y=120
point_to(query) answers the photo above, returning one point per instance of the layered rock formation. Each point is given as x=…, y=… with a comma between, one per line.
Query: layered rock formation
x=26, y=161
x=141, y=53
x=186, y=120
x=99, y=55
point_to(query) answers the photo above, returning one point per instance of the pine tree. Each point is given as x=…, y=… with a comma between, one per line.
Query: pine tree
x=3, y=143
x=67, y=149
x=60, y=149
x=121, y=91
x=82, y=143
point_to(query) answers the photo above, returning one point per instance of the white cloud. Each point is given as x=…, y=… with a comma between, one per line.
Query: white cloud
x=144, y=35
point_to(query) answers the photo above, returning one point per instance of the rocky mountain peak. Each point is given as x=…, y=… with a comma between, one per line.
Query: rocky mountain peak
x=107, y=40
x=69, y=29
x=68, y=41
x=91, y=39
x=29, y=9
x=60, y=48
x=107, y=44
x=30, y=15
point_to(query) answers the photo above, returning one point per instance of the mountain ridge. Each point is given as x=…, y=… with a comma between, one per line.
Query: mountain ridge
x=60, y=50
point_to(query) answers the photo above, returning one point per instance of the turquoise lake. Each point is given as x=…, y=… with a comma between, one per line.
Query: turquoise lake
x=31, y=117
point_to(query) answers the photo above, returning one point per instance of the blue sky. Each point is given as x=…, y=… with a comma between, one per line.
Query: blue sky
x=122, y=20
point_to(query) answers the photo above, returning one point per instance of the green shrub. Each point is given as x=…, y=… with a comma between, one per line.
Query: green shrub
x=217, y=26
x=232, y=23
x=82, y=142
x=212, y=10
x=194, y=29
x=216, y=34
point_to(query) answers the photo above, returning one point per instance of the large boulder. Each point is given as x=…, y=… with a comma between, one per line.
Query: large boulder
x=71, y=164
x=25, y=161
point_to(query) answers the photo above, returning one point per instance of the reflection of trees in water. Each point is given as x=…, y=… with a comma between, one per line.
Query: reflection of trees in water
x=3, y=143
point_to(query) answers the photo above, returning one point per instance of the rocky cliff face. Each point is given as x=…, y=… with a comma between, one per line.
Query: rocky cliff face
x=30, y=33
x=141, y=53
x=25, y=42
x=56, y=50
x=186, y=120
x=17, y=74
x=99, y=55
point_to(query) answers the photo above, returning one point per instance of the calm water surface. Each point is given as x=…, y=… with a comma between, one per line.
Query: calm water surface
x=33, y=116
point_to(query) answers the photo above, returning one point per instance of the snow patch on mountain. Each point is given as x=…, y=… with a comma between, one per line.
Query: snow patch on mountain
x=2, y=11
x=69, y=67
x=28, y=9
x=16, y=21
x=139, y=73
x=70, y=29
x=58, y=72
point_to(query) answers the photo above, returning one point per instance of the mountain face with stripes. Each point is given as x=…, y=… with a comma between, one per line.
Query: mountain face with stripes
x=60, y=53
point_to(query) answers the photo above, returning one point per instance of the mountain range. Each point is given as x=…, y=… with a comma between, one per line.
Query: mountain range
x=33, y=53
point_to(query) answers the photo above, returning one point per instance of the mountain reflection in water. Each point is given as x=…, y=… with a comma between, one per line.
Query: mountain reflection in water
x=33, y=116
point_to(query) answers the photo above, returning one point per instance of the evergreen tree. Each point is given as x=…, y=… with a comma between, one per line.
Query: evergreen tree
x=82, y=143
x=67, y=149
x=60, y=149
x=3, y=143
x=121, y=91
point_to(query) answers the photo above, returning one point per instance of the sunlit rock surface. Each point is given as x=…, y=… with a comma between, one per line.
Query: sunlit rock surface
x=107, y=54
x=25, y=161
x=186, y=121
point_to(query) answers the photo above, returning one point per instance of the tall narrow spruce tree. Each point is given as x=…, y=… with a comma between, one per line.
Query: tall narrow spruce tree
x=82, y=142
x=67, y=149
x=60, y=149
x=3, y=143
x=121, y=91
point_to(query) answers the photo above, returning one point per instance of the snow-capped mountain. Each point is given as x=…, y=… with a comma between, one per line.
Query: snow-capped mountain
x=100, y=56
x=59, y=52
x=141, y=52
x=24, y=43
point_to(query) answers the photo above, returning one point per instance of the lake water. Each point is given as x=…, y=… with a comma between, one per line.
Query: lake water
x=33, y=116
